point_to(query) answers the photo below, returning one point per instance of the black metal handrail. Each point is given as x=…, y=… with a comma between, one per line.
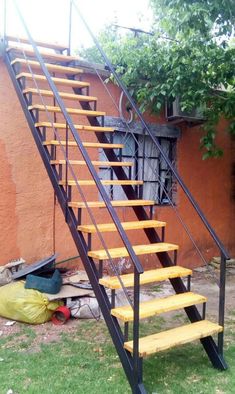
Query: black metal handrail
x=83, y=151
x=137, y=265
x=193, y=202
x=138, y=269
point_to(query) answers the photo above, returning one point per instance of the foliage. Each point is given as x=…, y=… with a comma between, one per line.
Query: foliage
x=190, y=55
x=205, y=18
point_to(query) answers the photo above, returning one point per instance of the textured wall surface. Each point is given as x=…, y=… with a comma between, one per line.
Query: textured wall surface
x=31, y=226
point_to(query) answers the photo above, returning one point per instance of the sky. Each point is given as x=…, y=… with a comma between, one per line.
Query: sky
x=48, y=19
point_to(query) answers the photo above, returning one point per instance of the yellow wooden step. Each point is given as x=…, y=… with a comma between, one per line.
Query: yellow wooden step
x=105, y=182
x=95, y=129
x=85, y=144
x=138, y=249
x=51, y=67
x=158, y=306
x=64, y=95
x=59, y=81
x=72, y=111
x=150, y=276
x=46, y=55
x=177, y=336
x=50, y=45
x=95, y=163
x=137, y=225
x=115, y=203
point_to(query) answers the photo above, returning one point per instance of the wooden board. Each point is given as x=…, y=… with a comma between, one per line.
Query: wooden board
x=51, y=67
x=68, y=291
x=64, y=95
x=46, y=55
x=138, y=249
x=159, y=305
x=150, y=276
x=104, y=182
x=116, y=203
x=95, y=163
x=51, y=45
x=86, y=144
x=60, y=81
x=78, y=127
x=136, y=225
x=174, y=337
x=73, y=111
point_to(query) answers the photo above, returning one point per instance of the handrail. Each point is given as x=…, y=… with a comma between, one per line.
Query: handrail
x=83, y=151
x=68, y=165
x=137, y=110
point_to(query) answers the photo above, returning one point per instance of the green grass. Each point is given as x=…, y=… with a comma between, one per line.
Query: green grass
x=84, y=362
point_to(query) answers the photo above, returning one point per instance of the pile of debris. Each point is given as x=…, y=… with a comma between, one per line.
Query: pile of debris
x=230, y=265
x=41, y=292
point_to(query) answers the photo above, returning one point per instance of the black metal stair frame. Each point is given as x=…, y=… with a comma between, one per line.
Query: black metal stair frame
x=215, y=353
x=132, y=364
x=177, y=283
x=89, y=265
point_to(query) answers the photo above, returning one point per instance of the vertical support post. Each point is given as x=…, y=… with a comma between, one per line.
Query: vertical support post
x=175, y=257
x=44, y=135
x=113, y=298
x=189, y=283
x=60, y=172
x=89, y=241
x=136, y=359
x=111, y=173
x=203, y=310
x=29, y=99
x=70, y=25
x=100, y=269
x=79, y=216
x=66, y=169
x=222, y=302
x=69, y=195
x=163, y=234
x=126, y=331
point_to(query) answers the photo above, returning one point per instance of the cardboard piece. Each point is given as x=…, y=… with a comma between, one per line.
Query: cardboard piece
x=68, y=291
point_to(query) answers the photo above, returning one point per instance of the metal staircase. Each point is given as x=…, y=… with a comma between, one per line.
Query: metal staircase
x=43, y=81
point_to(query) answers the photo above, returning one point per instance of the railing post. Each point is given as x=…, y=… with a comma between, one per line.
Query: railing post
x=70, y=25
x=136, y=359
x=222, y=302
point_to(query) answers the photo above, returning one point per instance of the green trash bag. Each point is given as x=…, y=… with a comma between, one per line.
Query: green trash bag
x=25, y=305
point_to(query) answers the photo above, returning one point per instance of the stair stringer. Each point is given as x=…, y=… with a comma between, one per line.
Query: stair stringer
x=89, y=265
x=192, y=312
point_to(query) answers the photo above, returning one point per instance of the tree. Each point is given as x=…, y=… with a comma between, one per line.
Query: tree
x=190, y=55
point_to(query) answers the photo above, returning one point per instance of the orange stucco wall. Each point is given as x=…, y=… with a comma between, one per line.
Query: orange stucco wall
x=210, y=182
x=31, y=227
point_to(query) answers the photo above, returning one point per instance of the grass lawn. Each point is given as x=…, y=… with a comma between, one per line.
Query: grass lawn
x=83, y=361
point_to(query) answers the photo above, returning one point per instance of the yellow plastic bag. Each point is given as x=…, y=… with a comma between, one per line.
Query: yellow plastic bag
x=25, y=305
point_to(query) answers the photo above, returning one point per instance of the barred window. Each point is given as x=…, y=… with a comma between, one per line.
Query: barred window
x=148, y=165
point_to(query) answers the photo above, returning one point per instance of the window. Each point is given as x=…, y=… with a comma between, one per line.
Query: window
x=147, y=165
